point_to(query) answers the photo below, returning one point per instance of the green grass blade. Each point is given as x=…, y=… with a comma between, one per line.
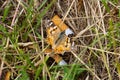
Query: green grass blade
x=44, y=12
x=105, y=3
x=43, y=3
x=5, y=13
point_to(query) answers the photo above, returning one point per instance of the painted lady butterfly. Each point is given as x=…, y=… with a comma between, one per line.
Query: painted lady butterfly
x=57, y=37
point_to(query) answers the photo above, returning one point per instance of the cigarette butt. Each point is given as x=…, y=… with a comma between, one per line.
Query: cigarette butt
x=62, y=62
x=58, y=59
x=7, y=77
x=68, y=31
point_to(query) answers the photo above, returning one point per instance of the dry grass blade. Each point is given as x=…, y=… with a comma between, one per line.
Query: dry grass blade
x=86, y=66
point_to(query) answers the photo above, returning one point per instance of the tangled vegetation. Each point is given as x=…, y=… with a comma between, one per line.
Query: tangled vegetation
x=96, y=53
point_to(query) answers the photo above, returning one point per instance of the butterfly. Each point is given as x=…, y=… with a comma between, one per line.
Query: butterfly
x=57, y=36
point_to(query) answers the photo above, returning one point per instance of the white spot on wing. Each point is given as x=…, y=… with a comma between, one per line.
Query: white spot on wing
x=50, y=23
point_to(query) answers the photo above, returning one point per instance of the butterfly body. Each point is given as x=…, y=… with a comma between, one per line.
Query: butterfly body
x=60, y=42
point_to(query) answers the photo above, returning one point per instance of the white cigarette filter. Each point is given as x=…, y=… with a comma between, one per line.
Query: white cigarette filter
x=62, y=63
x=68, y=31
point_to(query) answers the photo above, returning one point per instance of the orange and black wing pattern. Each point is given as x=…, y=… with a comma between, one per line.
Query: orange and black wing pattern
x=57, y=37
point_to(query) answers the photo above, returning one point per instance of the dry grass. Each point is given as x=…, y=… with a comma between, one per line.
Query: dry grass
x=96, y=24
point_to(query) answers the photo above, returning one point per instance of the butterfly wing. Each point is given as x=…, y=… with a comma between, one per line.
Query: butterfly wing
x=63, y=45
x=52, y=35
x=57, y=35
